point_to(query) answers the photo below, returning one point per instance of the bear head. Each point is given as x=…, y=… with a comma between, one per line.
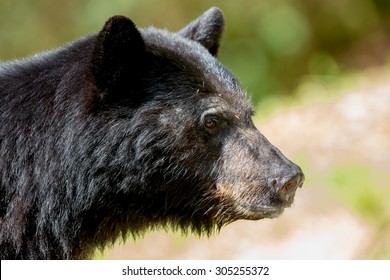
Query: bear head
x=197, y=159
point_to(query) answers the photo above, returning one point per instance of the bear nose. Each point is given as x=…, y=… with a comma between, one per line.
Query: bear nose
x=285, y=187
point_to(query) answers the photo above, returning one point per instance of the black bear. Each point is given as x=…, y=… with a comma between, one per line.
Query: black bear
x=128, y=130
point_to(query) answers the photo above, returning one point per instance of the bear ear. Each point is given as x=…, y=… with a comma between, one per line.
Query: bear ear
x=117, y=56
x=206, y=29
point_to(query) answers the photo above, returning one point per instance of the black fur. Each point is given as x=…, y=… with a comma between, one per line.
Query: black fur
x=124, y=131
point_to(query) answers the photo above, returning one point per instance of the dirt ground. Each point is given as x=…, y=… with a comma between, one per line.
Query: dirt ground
x=354, y=126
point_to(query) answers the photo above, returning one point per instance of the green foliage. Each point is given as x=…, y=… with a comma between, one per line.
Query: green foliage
x=284, y=30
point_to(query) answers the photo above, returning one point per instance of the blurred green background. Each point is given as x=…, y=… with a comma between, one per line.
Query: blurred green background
x=270, y=45
x=300, y=61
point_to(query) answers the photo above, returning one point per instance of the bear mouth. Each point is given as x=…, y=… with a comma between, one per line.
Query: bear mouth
x=257, y=212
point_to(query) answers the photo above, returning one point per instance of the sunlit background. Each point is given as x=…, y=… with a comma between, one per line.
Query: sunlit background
x=318, y=73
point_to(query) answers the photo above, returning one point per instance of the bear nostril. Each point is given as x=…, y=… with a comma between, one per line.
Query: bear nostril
x=290, y=187
x=286, y=190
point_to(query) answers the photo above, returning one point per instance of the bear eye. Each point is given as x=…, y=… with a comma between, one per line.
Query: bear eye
x=211, y=121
